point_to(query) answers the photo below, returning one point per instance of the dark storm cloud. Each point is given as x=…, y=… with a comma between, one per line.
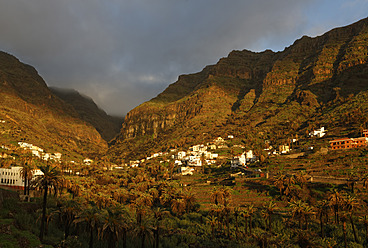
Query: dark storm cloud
x=123, y=52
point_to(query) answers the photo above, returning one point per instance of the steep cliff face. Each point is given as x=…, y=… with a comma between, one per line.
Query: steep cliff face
x=253, y=91
x=32, y=113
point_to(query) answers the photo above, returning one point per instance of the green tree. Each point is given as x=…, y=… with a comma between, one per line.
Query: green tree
x=268, y=212
x=144, y=230
x=49, y=179
x=114, y=224
x=90, y=216
x=297, y=210
x=27, y=173
x=68, y=212
x=322, y=211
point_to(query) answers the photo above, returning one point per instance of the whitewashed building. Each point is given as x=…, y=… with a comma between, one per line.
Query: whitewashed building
x=12, y=177
x=319, y=133
x=243, y=159
x=186, y=171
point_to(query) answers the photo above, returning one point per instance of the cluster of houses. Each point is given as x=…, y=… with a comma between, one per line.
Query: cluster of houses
x=39, y=152
x=188, y=161
x=191, y=159
x=199, y=155
x=11, y=177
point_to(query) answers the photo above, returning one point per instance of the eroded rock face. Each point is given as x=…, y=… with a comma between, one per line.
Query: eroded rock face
x=254, y=90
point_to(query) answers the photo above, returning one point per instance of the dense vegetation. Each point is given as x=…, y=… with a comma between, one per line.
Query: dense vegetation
x=152, y=206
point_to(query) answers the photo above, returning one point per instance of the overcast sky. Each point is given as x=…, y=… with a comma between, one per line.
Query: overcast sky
x=124, y=52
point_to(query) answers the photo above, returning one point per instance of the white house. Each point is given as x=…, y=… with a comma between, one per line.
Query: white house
x=195, y=148
x=57, y=155
x=186, y=171
x=202, y=148
x=194, y=161
x=212, y=147
x=319, y=133
x=181, y=155
x=243, y=159
x=238, y=160
x=178, y=162
x=87, y=161
x=219, y=140
x=284, y=149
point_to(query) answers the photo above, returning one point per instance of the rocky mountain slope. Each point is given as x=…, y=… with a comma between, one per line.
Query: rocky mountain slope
x=258, y=96
x=108, y=126
x=30, y=112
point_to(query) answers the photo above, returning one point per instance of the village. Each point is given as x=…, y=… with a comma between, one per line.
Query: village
x=188, y=161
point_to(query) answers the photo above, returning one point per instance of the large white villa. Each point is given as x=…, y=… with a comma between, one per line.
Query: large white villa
x=11, y=177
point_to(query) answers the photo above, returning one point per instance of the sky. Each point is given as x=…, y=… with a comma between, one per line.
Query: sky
x=122, y=53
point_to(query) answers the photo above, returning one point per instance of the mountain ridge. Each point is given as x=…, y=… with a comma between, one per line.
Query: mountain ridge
x=108, y=126
x=253, y=92
x=32, y=113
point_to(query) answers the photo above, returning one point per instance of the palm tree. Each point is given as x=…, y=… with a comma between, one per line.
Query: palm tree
x=217, y=210
x=344, y=219
x=247, y=213
x=297, y=210
x=307, y=211
x=279, y=183
x=144, y=230
x=113, y=225
x=50, y=178
x=364, y=220
x=237, y=212
x=90, y=216
x=365, y=181
x=350, y=204
x=178, y=206
x=158, y=214
x=217, y=195
x=322, y=210
x=26, y=173
x=268, y=211
x=50, y=214
x=226, y=211
x=68, y=211
x=335, y=203
x=288, y=183
x=250, y=210
x=212, y=220
x=189, y=200
x=301, y=178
